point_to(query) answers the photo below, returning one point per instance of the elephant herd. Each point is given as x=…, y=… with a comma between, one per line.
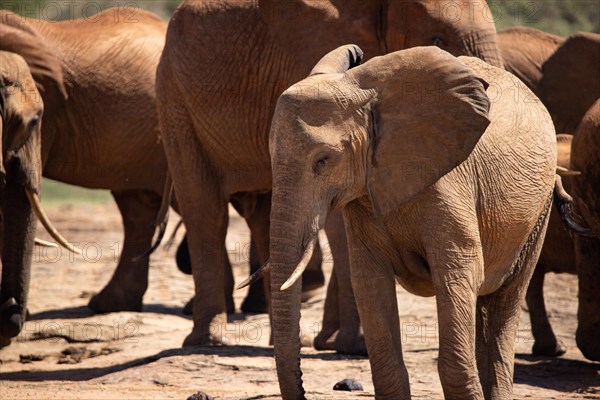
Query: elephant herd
x=427, y=150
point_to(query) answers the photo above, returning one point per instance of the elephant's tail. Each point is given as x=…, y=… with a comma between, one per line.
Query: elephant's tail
x=564, y=204
x=162, y=218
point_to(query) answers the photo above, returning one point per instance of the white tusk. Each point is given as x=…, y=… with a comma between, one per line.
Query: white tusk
x=308, y=251
x=562, y=171
x=43, y=243
x=262, y=271
x=41, y=214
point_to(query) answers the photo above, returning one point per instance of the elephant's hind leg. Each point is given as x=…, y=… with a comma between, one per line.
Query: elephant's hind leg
x=129, y=282
x=546, y=343
x=498, y=317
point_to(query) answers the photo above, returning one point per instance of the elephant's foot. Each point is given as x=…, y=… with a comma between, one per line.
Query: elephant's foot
x=350, y=344
x=325, y=339
x=4, y=341
x=188, y=309
x=112, y=299
x=555, y=349
x=341, y=342
x=210, y=337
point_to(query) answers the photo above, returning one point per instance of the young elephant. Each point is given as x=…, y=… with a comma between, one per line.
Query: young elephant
x=442, y=189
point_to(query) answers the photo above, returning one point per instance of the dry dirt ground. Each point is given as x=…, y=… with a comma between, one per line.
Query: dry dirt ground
x=66, y=352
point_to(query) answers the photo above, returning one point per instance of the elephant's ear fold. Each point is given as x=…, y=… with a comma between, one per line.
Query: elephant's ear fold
x=571, y=73
x=430, y=111
x=18, y=37
x=308, y=29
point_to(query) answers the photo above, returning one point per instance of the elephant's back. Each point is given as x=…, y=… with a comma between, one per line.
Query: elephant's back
x=221, y=63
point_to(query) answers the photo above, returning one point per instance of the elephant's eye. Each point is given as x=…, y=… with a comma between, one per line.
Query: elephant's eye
x=438, y=41
x=320, y=163
x=33, y=123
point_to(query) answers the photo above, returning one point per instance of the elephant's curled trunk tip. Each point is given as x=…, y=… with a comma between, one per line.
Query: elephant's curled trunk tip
x=258, y=275
x=308, y=252
x=34, y=199
x=564, y=204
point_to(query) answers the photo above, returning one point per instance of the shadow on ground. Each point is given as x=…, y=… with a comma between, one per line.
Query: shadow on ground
x=560, y=374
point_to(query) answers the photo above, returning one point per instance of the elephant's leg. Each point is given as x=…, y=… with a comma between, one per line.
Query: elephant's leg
x=546, y=343
x=129, y=282
x=313, y=277
x=255, y=301
x=456, y=273
x=331, y=317
x=204, y=209
x=349, y=338
x=375, y=289
x=184, y=263
x=498, y=319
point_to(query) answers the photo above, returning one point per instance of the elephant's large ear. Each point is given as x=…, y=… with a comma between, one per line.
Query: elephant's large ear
x=18, y=37
x=339, y=60
x=430, y=110
x=308, y=29
x=571, y=73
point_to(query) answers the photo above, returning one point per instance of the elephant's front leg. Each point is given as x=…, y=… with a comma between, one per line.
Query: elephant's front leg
x=129, y=282
x=346, y=322
x=456, y=276
x=375, y=289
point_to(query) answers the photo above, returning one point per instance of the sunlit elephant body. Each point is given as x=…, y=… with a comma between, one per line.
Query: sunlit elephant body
x=444, y=191
x=21, y=110
x=100, y=129
x=224, y=65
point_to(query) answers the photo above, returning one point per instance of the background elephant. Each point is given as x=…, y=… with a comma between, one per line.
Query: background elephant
x=21, y=110
x=100, y=129
x=525, y=50
x=578, y=254
x=426, y=181
x=563, y=73
x=224, y=65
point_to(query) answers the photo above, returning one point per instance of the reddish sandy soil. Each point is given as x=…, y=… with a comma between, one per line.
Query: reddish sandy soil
x=66, y=352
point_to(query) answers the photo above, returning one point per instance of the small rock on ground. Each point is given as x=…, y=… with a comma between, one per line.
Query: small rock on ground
x=348, y=385
x=200, y=396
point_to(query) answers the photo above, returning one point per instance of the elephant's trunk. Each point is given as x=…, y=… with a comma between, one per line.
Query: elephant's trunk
x=19, y=225
x=484, y=47
x=286, y=250
x=588, y=313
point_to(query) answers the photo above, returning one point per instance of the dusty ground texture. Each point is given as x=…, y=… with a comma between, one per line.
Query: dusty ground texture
x=66, y=352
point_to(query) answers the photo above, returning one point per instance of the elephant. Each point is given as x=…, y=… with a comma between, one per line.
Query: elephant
x=100, y=129
x=84, y=85
x=563, y=73
x=575, y=254
x=524, y=51
x=21, y=110
x=585, y=157
x=223, y=67
x=442, y=189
